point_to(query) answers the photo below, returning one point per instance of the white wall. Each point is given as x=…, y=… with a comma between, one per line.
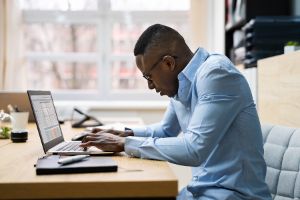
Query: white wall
x=207, y=25
x=251, y=76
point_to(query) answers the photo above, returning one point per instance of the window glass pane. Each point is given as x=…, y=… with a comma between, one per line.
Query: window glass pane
x=150, y=4
x=125, y=75
x=124, y=36
x=61, y=75
x=58, y=5
x=48, y=37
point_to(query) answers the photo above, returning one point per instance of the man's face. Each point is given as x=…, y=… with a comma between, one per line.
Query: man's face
x=159, y=72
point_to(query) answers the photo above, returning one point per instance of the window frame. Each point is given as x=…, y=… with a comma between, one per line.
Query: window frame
x=103, y=19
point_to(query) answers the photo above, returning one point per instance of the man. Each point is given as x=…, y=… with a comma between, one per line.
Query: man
x=211, y=104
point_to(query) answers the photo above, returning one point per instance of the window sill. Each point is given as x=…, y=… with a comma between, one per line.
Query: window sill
x=115, y=105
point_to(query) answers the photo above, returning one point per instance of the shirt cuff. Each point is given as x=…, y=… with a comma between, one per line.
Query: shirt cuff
x=140, y=131
x=132, y=145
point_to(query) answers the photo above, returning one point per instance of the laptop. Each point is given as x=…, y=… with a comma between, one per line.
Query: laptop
x=18, y=99
x=49, y=128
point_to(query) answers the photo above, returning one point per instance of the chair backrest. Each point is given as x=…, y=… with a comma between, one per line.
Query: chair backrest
x=282, y=155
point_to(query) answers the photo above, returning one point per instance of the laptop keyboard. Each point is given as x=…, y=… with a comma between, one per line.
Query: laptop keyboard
x=70, y=146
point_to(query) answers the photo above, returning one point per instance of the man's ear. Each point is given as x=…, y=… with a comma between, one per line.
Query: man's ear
x=169, y=62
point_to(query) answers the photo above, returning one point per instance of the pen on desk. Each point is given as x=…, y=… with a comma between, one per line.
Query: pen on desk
x=72, y=159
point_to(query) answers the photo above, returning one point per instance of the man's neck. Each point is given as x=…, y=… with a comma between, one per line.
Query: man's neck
x=186, y=58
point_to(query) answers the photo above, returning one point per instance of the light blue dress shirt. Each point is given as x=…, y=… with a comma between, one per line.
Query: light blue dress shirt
x=221, y=135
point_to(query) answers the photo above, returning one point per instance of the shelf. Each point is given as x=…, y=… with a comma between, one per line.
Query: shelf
x=239, y=12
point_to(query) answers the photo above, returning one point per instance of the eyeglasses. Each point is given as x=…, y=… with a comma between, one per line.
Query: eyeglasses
x=148, y=77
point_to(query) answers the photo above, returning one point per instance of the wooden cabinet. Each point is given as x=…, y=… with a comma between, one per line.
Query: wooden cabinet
x=279, y=89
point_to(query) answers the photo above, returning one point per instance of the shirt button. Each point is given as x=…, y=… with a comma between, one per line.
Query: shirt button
x=195, y=178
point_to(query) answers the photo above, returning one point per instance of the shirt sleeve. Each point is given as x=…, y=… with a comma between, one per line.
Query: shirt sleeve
x=168, y=127
x=219, y=102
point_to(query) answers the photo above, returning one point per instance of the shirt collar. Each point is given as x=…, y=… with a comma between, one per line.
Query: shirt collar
x=187, y=75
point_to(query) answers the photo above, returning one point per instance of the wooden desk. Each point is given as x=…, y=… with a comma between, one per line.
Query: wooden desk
x=135, y=177
x=4, y=142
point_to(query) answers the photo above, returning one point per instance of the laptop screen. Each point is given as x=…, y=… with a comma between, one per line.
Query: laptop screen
x=46, y=118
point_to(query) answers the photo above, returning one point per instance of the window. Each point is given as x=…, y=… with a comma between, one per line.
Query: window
x=83, y=49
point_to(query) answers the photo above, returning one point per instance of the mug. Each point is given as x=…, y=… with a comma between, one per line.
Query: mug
x=19, y=120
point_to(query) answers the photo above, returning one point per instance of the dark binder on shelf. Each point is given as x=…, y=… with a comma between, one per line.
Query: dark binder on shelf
x=49, y=165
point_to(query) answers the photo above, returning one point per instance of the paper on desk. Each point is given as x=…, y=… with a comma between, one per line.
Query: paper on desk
x=115, y=126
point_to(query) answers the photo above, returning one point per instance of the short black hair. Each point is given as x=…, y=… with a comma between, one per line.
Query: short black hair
x=156, y=34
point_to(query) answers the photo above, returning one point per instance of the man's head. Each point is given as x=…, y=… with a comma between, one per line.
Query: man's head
x=161, y=54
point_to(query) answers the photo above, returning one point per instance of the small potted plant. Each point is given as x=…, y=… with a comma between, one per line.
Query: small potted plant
x=4, y=130
x=291, y=46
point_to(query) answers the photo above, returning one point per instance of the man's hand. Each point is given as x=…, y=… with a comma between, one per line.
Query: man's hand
x=114, y=132
x=104, y=141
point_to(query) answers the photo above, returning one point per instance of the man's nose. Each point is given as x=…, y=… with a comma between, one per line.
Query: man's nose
x=151, y=85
